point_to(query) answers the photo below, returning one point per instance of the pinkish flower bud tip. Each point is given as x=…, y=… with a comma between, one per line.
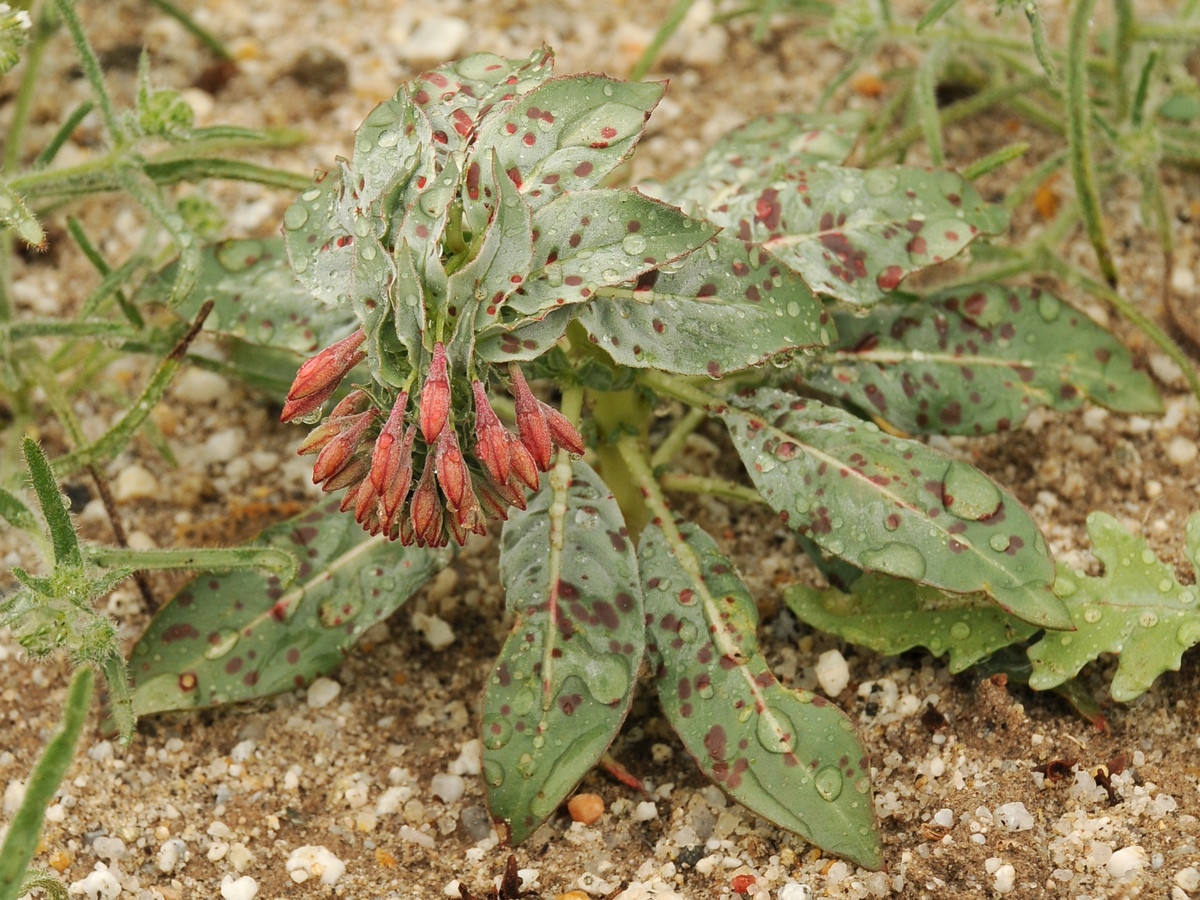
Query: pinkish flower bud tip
x=318, y=377
x=435, y=396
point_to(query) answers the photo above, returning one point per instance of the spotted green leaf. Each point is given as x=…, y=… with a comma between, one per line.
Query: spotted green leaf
x=586, y=240
x=1136, y=609
x=319, y=246
x=788, y=756
x=564, y=680
x=256, y=298
x=890, y=616
x=885, y=504
x=567, y=134
x=526, y=338
x=855, y=234
x=240, y=635
x=766, y=148
x=977, y=360
x=725, y=309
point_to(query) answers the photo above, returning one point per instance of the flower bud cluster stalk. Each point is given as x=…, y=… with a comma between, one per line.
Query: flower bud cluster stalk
x=376, y=459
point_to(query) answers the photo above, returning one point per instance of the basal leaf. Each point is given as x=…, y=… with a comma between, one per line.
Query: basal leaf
x=763, y=150
x=890, y=616
x=392, y=143
x=565, y=678
x=1137, y=609
x=586, y=240
x=855, y=234
x=788, y=756
x=236, y=636
x=256, y=297
x=885, y=504
x=725, y=309
x=977, y=360
x=567, y=134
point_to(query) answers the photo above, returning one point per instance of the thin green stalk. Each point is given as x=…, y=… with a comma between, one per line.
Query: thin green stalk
x=925, y=100
x=195, y=28
x=669, y=26
x=272, y=559
x=1138, y=112
x=1122, y=47
x=679, y=389
x=1080, y=279
x=1176, y=32
x=674, y=441
x=91, y=70
x=65, y=130
x=25, y=329
x=1079, y=139
x=75, y=228
x=935, y=12
x=25, y=828
x=1033, y=180
x=1041, y=46
x=994, y=161
x=30, y=78
x=682, y=482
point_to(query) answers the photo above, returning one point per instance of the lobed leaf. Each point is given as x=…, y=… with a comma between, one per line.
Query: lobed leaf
x=885, y=504
x=1137, y=609
x=567, y=134
x=976, y=360
x=255, y=297
x=788, y=756
x=762, y=150
x=725, y=309
x=855, y=234
x=564, y=680
x=890, y=616
x=240, y=635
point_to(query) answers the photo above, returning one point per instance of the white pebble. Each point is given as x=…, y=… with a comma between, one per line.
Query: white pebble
x=98, y=885
x=311, y=861
x=437, y=633
x=135, y=482
x=1014, y=817
x=241, y=858
x=1181, y=450
x=199, y=386
x=944, y=817
x=793, y=891
x=448, y=788
x=645, y=811
x=438, y=37
x=1166, y=370
x=1126, y=860
x=420, y=838
x=172, y=855
x=1183, y=279
x=470, y=759
x=357, y=795
x=224, y=445
x=937, y=767
x=322, y=692
x=243, y=751
x=244, y=888
x=1005, y=879
x=837, y=873
x=102, y=752
x=832, y=672
x=451, y=889
x=109, y=848
x=1188, y=879
x=393, y=799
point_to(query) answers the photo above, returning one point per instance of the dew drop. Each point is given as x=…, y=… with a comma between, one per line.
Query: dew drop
x=999, y=542
x=493, y=772
x=1091, y=615
x=607, y=678
x=608, y=90
x=225, y=642
x=706, y=691
x=960, y=631
x=1148, y=619
x=880, y=182
x=829, y=783
x=1064, y=586
x=634, y=244
x=295, y=217
x=776, y=732
x=497, y=731
x=310, y=195
x=846, y=195
x=969, y=493
x=1187, y=598
x=1148, y=557
x=688, y=631
x=1164, y=585
x=1049, y=307
x=1188, y=634
x=901, y=560
x=523, y=703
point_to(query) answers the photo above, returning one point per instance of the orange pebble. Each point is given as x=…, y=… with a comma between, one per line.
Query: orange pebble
x=60, y=861
x=385, y=859
x=868, y=85
x=742, y=884
x=586, y=808
x=1046, y=200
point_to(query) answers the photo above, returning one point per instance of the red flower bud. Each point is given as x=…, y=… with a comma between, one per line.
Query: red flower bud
x=562, y=432
x=353, y=403
x=405, y=527
x=350, y=474
x=452, y=471
x=522, y=464
x=531, y=422
x=366, y=503
x=457, y=532
x=435, y=396
x=427, y=508
x=511, y=492
x=320, y=436
x=320, y=376
x=399, y=476
x=338, y=452
x=491, y=438
x=493, y=505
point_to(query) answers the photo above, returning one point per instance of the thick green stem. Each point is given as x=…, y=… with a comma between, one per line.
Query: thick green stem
x=1079, y=139
x=674, y=441
x=26, y=826
x=620, y=414
x=682, y=482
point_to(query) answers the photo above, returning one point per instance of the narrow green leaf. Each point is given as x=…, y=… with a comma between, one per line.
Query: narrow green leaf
x=788, y=756
x=54, y=507
x=976, y=360
x=890, y=616
x=592, y=239
x=855, y=234
x=935, y=12
x=764, y=150
x=727, y=308
x=1136, y=609
x=565, y=678
x=256, y=297
x=567, y=134
x=15, y=214
x=236, y=636
x=16, y=513
x=25, y=829
x=885, y=504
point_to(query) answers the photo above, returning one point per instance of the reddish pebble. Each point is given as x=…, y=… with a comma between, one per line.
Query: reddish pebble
x=742, y=884
x=586, y=808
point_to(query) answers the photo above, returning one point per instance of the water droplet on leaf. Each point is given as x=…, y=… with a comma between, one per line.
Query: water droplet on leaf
x=225, y=642
x=969, y=493
x=901, y=560
x=775, y=730
x=829, y=783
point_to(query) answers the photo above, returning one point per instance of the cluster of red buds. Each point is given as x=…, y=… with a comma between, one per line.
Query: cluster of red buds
x=455, y=494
